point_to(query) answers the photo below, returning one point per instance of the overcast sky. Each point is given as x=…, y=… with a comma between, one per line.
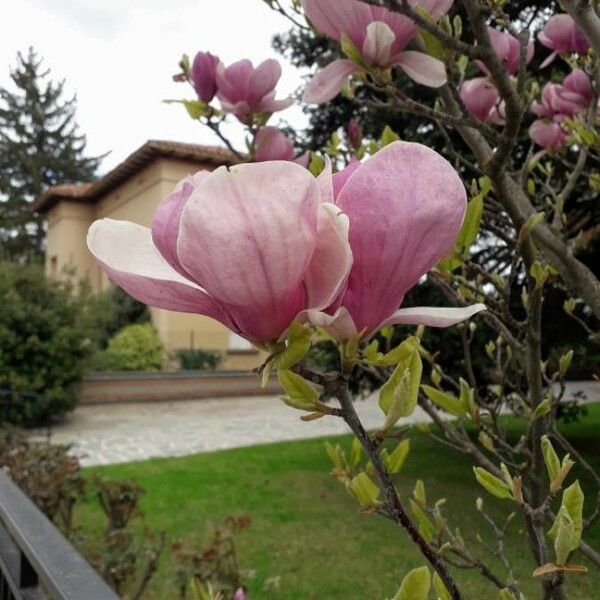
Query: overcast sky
x=119, y=56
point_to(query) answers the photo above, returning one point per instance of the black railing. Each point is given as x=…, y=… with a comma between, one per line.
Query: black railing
x=36, y=561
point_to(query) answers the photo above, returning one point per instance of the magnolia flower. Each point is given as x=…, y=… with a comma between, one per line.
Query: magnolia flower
x=203, y=74
x=273, y=144
x=239, y=594
x=507, y=48
x=548, y=134
x=568, y=99
x=406, y=205
x=562, y=36
x=250, y=246
x=482, y=100
x=243, y=89
x=378, y=35
x=354, y=133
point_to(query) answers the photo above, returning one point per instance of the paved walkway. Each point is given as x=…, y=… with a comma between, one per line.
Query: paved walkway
x=105, y=434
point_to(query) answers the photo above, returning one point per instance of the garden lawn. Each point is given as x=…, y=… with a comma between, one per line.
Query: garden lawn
x=306, y=530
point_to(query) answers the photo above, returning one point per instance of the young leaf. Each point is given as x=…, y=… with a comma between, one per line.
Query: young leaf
x=446, y=401
x=415, y=586
x=298, y=344
x=564, y=362
x=571, y=505
x=388, y=135
x=550, y=458
x=440, y=588
x=355, y=452
x=419, y=493
x=564, y=537
x=495, y=486
x=364, y=489
x=301, y=394
x=506, y=594
x=424, y=524
x=397, y=458
x=542, y=409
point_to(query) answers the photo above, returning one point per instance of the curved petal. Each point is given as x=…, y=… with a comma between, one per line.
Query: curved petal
x=406, y=205
x=422, y=68
x=377, y=47
x=340, y=178
x=330, y=265
x=270, y=105
x=126, y=253
x=327, y=83
x=273, y=144
x=263, y=80
x=432, y=316
x=339, y=326
x=165, y=223
x=325, y=182
x=247, y=236
x=232, y=81
x=480, y=96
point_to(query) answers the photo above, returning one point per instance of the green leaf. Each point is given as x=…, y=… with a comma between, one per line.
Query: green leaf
x=550, y=458
x=388, y=135
x=470, y=227
x=424, y=524
x=571, y=505
x=397, y=458
x=298, y=344
x=419, y=493
x=440, y=588
x=467, y=398
x=539, y=273
x=495, y=486
x=542, y=409
x=433, y=46
x=364, y=489
x=398, y=354
x=317, y=164
x=506, y=594
x=301, y=394
x=448, y=402
x=564, y=362
x=486, y=441
x=398, y=396
x=564, y=537
x=415, y=586
x=355, y=452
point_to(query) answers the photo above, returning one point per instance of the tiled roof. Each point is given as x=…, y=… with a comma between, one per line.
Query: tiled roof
x=134, y=163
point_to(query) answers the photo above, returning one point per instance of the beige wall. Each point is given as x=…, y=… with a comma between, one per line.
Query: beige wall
x=136, y=200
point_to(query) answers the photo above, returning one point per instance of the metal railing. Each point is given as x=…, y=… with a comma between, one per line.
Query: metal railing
x=36, y=561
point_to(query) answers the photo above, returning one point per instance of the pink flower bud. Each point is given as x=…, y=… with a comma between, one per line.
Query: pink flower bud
x=244, y=90
x=272, y=144
x=203, y=75
x=354, y=132
x=562, y=36
x=482, y=100
x=547, y=134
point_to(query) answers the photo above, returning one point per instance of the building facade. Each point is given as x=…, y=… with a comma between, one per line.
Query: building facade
x=131, y=192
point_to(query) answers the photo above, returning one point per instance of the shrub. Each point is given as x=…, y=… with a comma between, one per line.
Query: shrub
x=191, y=359
x=44, y=343
x=135, y=348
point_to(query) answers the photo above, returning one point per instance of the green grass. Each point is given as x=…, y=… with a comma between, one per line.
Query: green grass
x=307, y=530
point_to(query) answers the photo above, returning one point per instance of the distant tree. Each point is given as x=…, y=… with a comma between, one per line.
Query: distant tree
x=40, y=146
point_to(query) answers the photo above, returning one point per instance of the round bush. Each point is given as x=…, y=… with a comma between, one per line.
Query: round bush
x=43, y=345
x=135, y=348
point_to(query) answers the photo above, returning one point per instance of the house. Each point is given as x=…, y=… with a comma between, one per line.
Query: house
x=132, y=191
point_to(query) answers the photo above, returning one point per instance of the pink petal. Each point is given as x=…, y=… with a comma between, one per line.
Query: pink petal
x=263, y=81
x=330, y=265
x=406, y=205
x=232, y=81
x=203, y=74
x=272, y=144
x=126, y=253
x=480, y=96
x=548, y=60
x=432, y=316
x=422, y=68
x=547, y=134
x=269, y=105
x=325, y=182
x=328, y=82
x=377, y=47
x=339, y=326
x=165, y=223
x=247, y=236
x=340, y=178
x=435, y=8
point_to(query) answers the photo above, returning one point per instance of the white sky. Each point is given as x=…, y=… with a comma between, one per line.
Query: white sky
x=119, y=56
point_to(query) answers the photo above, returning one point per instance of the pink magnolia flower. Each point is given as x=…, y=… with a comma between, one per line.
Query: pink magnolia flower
x=562, y=36
x=250, y=246
x=380, y=37
x=406, y=205
x=506, y=47
x=568, y=99
x=203, y=74
x=548, y=134
x=239, y=594
x=243, y=89
x=273, y=144
x=354, y=133
x=482, y=99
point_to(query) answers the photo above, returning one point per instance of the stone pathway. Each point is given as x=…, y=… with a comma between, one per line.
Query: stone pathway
x=105, y=434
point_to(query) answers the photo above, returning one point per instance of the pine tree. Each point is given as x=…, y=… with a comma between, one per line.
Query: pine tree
x=40, y=146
